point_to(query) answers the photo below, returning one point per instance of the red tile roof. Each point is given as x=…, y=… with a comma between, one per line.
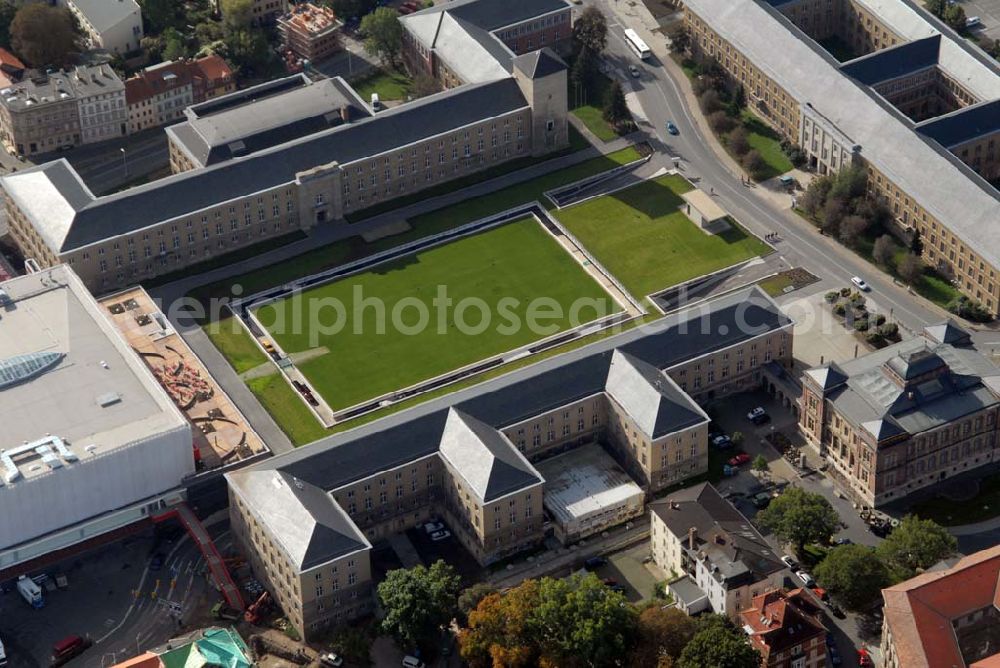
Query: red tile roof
x=919, y=612
x=155, y=80
x=147, y=660
x=9, y=61
x=214, y=69
x=778, y=620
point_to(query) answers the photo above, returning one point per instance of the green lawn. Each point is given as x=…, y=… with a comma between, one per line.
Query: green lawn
x=518, y=261
x=390, y=86
x=235, y=343
x=287, y=409
x=767, y=142
x=642, y=238
x=480, y=207
x=775, y=285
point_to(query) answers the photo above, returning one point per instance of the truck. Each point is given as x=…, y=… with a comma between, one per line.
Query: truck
x=30, y=592
x=3, y=655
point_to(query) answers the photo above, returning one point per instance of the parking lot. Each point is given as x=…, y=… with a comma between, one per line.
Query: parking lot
x=988, y=12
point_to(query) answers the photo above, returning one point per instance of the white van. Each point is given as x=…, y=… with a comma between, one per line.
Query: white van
x=412, y=662
x=972, y=22
x=376, y=102
x=3, y=655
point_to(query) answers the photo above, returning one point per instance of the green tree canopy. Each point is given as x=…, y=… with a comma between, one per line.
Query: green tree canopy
x=236, y=13
x=719, y=644
x=591, y=30
x=43, y=35
x=911, y=268
x=418, y=601
x=158, y=15
x=383, y=34
x=7, y=12
x=174, y=45
x=662, y=634
x=615, y=109
x=760, y=464
x=470, y=598
x=915, y=544
x=571, y=622
x=853, y=574
x=800, y=517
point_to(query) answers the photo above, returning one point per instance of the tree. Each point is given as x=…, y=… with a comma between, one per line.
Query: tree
x=247, y=49
x=760, y=464
x=418, y=601
x=591, y=30
x=353, y=8
x=236, y=13
x=884, y=250
x=738, y=101
x=911, y=268
x=969, y=309
x=914, y=545
x=383, y=34
x=424, y=85
x=834, y=210
x=852, y=228
x=710, y=101
x=7, y=12
x=572, y=622
x=754, y=163
x=471, y=597
x=662, y=635
x=719, y=645
x=936, y=7
x=583, y=70
x=954, y=16
x=721, y=122
x=849, y=184
x=680, y=38
x=43, y=35
x=800, y=517
x=738, y=141
x=174, y=47
x=158, y=15
x=615, y=109
x=853, y=574
x=917, y=244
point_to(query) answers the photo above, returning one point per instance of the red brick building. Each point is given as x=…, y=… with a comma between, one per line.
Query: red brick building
x=785, y=628
x=311, y=32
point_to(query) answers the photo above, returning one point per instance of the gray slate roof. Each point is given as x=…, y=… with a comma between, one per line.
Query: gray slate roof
x=894, y=62
x=82, y=221
x=268, y=122
x=650, y=397
x=729, y=540
x=948, y=331
x=541, y=63
x=314, y=528
x=963, y=125
x=484, y=457
x=493, y=14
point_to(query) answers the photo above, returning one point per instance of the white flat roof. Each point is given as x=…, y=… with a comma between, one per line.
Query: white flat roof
x=583, y=482
x=700, y=200
x=98, y=397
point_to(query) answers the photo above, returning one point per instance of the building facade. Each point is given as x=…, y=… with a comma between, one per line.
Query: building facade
x=466, y=458
x=786, y=628
x=101, y=103
x=159, y=94
x=704, y=539
x=906, y=101
x=113, y=26
x=904, y=418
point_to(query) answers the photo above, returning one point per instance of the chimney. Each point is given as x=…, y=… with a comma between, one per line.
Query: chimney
x=692, y=534
x=345, y=113
x=674, y=505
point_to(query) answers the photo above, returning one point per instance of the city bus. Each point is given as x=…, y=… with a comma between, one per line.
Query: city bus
x=636, y=44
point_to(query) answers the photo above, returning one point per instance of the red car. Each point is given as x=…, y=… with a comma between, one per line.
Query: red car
x=740, y=459
x=865, y=659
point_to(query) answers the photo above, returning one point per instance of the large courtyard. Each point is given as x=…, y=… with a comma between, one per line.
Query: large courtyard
x=640, y=235
x=380, y=341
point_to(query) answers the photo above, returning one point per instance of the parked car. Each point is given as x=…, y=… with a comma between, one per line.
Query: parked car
x=672, y=129
x=594, y=562
x=609, y=582
x=843, y=541
x=740, y=459
x=432, y=527
x=722, y=442
x=444, y=534
x=634, y=71
x=413, y=662
x=865, y=659
x=761, y=501
x=860, y=284
x=807, y=579
x=332, y=660
x=69, y=648
x=821, y=593
x=835, y=610
x=790, y=562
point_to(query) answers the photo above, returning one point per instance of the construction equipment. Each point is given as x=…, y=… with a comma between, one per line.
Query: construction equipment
x=258, y=608
x=222, y=611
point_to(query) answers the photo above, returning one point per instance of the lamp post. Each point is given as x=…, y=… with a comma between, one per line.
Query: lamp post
x=124, y=161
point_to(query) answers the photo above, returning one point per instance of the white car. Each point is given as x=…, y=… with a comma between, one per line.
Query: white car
x=755, y=413
x=440, y=535
x=807, y=579
x=860, y=284
x=432, y=527
x=788, y=561
x=412, y=662
x=332, y=660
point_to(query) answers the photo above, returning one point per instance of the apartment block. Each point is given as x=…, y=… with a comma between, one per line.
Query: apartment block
x=114, y=26
x=159, y=94
x=723, y=562
x=904, y=418
x=879, y=84
x=61, y=110
x=470, y=457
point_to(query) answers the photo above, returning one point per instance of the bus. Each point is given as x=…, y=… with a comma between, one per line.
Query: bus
x=636, y=44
